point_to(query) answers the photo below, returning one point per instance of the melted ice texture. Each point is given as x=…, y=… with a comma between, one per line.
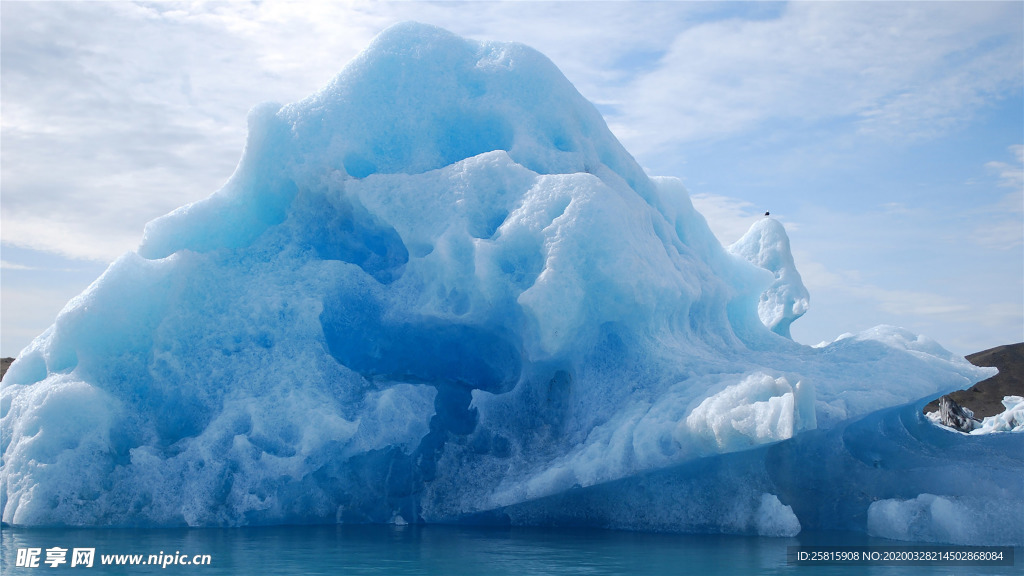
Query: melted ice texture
x=437, y=287
x=766, y=244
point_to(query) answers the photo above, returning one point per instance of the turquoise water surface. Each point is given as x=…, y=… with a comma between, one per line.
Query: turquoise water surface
x=401, y=550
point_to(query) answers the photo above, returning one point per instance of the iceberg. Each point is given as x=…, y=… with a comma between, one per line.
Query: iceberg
x=440, y=290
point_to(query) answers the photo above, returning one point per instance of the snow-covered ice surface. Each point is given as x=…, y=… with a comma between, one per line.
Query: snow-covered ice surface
x=436, y=289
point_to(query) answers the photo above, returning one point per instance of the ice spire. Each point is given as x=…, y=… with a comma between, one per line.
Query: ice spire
x=767, y=245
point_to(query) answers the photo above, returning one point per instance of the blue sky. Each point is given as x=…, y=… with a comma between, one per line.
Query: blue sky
x=888, y=137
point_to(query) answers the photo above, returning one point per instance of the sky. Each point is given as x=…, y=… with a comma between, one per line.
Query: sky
x=887, y=137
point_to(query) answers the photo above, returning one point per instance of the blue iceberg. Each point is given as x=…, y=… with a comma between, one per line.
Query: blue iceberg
x=440, y=290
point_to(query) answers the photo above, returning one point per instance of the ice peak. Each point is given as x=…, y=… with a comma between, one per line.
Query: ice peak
x=766, y=245
x=421, y=98
x=418, y=98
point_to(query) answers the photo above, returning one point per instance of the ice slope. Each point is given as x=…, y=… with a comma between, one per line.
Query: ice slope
x=766, y=244
x=436, y=287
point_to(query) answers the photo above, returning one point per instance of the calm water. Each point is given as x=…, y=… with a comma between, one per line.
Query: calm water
x=439, y=550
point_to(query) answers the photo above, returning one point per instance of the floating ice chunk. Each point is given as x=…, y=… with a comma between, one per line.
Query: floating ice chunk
x=947, y=519
x=766, y=245
x=775, y=518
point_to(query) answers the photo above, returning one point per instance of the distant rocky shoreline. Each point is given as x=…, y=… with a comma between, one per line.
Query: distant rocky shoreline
x=984, y=398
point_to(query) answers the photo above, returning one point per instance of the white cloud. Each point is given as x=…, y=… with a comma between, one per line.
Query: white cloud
x=728, y=218
x=844, y=298
x=1003, y=234
x=27, y=312
x=895, y=303
x=1004, y=225
x=65, y=237
x=1011, y=175
x=5, y=265
x=116, y=113
x=903, y=69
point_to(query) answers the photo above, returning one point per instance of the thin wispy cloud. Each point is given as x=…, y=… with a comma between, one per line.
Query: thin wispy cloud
x=730, y=218
x=154, y=124
x=1010, y=175
x=1004, y=226
x=5, y=265
x=895, y=69
x=8, y=265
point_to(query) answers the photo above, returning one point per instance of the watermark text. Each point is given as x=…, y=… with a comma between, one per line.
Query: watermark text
x=87, y=557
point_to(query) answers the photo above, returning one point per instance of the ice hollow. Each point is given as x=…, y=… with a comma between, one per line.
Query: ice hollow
x=438, y=287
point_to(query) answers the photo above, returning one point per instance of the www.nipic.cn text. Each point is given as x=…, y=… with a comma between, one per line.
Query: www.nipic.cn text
x=87, y=557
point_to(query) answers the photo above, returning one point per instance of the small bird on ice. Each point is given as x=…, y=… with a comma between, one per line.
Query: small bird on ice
x=766, y=213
